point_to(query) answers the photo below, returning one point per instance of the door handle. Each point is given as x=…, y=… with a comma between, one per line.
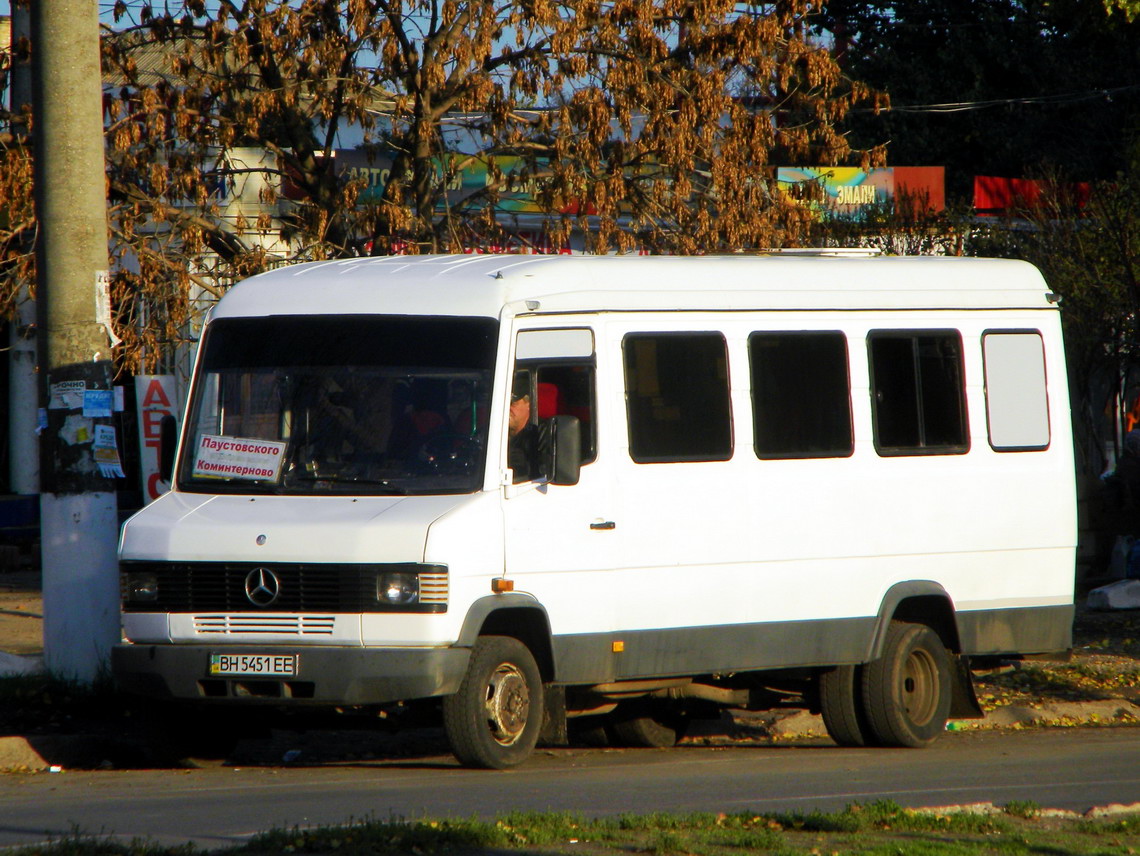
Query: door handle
x=603, y=524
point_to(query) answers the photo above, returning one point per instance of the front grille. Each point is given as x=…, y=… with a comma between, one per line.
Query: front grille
x=220, y=587
x=297, y=625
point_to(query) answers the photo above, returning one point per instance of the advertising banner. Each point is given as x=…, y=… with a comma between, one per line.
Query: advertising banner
x=157, y=397
x=847, y=192
x=839, y=191
x=468, y=176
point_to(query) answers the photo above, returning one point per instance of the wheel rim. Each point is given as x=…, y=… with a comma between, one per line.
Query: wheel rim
x=920, y=688
x=508, y=704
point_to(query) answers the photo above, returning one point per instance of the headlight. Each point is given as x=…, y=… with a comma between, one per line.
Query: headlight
x=398, y=588
x=403, y=587
x=140, y=587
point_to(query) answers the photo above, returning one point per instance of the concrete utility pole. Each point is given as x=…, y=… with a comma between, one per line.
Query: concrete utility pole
x=78, y=513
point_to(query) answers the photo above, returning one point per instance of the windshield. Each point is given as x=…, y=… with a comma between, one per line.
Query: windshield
x=355, y=404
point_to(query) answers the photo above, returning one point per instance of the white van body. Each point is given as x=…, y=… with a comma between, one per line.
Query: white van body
x=795, y=479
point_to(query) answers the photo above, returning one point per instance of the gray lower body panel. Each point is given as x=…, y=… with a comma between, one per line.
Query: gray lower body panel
x=703, y=650
x=1029, y=630
x=353, y=676
x=324, y=675
x=678, y=651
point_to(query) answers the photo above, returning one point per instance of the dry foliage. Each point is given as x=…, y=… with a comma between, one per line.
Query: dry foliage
x=632, y=123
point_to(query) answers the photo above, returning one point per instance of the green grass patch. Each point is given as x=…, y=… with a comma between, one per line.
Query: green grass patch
x=878, y=829
x=85, y=845
x=1022, y=808
x=421, y=837
x=887, y=816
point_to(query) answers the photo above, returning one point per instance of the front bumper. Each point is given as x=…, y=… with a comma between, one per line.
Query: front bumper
x=325, y=675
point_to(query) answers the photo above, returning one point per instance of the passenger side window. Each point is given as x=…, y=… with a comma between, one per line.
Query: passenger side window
x=918, y=399
x=677, y=398
x=801, y=395
x=1017, y=401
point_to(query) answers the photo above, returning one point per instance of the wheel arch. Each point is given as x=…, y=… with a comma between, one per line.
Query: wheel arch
x=927, y=602
x=516, y=615
x=921, y=602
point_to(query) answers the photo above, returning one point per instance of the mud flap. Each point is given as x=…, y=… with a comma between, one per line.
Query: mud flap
x=554, y=731
x=963, y=700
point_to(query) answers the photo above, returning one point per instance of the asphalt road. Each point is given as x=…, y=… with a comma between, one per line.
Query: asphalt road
x=217, y=806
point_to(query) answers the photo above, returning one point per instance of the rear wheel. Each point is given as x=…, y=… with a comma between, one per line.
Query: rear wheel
x=494, y=719
x=906, y=692
x=647, y=725
x=593, y=733
x=841, y=705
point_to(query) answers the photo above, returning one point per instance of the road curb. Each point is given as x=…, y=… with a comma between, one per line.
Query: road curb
x=14, y=665
x=17, y=755
x=792, y=724
x=57, y=752
x=989, y=808
x=1096, y=712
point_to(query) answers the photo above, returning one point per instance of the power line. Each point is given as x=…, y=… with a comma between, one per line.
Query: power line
x=1057, y=100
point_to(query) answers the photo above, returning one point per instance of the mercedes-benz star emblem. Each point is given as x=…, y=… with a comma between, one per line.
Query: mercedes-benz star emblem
x=262, y=586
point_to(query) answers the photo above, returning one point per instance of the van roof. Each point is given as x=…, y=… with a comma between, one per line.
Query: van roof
x=482, y=285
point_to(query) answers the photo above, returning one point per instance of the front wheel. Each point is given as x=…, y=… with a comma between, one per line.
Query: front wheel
x=906, y=692
x=494, y=719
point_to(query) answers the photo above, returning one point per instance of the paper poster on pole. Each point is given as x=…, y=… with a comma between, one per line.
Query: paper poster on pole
x=97, y=402
x=67, y=395
x=103, y=305
x=156, y=397
x=106, y=451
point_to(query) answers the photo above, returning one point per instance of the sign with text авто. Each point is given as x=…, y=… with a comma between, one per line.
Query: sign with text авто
x=157, y=397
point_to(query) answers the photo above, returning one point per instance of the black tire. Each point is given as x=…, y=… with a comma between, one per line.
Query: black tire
x=494, y=719
x=841, y=705
x=647, y=726
x=595, y=735
x=906, y=692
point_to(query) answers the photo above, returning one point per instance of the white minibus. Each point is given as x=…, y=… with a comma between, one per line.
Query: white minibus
x=612, y=492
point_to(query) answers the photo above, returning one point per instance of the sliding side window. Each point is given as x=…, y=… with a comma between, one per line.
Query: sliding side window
x=801, y=395
x=918, y=395
x=1017, y=401
x=555, y=372
x=676, y=387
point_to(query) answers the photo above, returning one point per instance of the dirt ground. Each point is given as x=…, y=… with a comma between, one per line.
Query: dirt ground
x=21, y=613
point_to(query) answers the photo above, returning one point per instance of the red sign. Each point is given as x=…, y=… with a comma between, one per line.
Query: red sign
x=996, y=195
x=156, y=398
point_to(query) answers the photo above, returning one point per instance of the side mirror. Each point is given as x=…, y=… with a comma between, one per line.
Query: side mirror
x=564, y=459
x=167, y=445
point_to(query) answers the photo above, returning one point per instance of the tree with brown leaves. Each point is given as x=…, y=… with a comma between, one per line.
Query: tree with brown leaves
x=619, y=123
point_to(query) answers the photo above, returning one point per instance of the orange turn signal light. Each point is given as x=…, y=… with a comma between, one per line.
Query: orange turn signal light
x=500, y=585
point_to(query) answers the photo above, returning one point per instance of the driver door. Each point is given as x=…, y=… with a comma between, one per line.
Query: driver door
x=561, y=539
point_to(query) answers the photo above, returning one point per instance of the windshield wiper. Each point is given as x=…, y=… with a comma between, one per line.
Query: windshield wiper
x=389, y=487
